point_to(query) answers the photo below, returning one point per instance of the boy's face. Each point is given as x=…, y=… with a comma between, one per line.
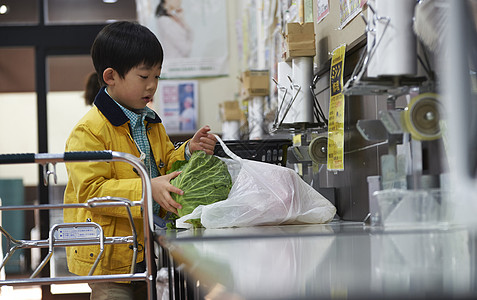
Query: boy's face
x=137, y=88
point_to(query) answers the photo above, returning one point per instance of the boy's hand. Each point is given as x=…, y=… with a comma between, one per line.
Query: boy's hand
x=161, y=189
x=203, y=140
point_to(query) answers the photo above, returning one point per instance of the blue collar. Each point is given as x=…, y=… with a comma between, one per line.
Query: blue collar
x=114, y=113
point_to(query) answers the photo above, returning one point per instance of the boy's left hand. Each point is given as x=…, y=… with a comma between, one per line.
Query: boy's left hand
x=203, y=140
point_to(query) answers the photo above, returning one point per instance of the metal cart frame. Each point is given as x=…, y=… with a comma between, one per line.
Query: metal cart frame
x=86, y=233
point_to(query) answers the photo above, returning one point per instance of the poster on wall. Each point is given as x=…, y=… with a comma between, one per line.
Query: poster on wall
x=193, y=34
x=177, y=105
x=350, y=9
x=322, y=9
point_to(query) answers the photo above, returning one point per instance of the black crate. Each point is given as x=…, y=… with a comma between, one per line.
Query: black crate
x=272, y=151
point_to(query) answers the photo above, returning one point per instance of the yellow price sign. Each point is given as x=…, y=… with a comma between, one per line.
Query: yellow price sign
x=336, y=115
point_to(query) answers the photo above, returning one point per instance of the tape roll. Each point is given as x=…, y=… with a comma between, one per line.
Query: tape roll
x=318, y=150
x=421, y=117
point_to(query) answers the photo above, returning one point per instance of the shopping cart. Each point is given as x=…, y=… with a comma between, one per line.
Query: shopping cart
x=87, y=233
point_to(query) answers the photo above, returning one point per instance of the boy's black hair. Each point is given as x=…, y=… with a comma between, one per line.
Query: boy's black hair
x=124, y=45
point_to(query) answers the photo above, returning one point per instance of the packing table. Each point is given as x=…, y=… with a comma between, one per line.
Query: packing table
x=321, y=261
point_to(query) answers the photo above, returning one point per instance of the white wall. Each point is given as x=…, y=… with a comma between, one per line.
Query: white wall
x=213, y=91
x=18, y=120
x=18, y=133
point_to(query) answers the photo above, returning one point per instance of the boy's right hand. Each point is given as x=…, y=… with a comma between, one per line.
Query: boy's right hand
x=162, y=189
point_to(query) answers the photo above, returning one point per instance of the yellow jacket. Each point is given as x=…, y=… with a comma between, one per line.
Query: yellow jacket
x=106, y=127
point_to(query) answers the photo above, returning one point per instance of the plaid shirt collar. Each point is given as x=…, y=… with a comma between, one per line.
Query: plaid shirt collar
x=136, y=117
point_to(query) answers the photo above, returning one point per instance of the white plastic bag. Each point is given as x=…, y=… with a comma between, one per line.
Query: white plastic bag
x=262, y=194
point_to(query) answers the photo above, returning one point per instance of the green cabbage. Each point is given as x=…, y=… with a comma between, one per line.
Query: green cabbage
x=204, y=180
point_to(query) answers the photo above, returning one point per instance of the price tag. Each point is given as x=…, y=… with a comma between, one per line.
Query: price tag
x=79, y=232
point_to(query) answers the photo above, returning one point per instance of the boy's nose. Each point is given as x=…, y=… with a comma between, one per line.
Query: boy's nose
x=151, y=86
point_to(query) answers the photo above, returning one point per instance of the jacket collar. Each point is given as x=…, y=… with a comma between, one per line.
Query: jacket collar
x=113, y=112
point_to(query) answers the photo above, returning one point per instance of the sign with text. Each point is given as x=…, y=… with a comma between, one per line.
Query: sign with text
x=335, y=159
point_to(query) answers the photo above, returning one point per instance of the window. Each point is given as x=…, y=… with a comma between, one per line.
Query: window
x=88, y=11
x=19, y=12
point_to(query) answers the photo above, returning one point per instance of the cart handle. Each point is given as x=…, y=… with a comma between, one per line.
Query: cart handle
x=24, y=158
x=17, y=158
x=88, y=155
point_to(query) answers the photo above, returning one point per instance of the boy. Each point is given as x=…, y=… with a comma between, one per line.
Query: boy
x=127, y=58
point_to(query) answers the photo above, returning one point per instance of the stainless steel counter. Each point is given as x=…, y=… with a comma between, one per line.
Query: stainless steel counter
x=337, y=260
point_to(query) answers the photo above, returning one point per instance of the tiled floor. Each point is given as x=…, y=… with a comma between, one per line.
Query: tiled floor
x=20, y=293
x=34, y=292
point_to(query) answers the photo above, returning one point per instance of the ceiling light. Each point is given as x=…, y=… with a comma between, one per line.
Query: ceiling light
x=3, y=9
x=110, y=1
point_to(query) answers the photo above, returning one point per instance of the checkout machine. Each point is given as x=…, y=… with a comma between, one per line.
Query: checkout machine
x=397, y=69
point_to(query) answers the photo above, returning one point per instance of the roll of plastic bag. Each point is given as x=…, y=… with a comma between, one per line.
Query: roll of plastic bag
x=396, y=53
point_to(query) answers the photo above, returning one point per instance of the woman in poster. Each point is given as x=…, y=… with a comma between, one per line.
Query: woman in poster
x=188, y=113
x=187, y=116
x=174, y=33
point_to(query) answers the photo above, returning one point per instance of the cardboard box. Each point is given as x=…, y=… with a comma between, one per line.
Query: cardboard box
x=256, y=83
x=307, y=29
x=230, y=111
x=300, y=40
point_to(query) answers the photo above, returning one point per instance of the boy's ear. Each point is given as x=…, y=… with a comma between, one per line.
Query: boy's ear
x=108, y=76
